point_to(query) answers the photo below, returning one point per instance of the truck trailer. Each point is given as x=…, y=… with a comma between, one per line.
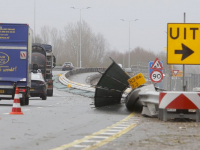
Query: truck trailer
x=15, y=61
x=42, y=56
x=51, y=63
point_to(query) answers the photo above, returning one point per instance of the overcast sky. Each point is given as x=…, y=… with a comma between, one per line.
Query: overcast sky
x=148, y=32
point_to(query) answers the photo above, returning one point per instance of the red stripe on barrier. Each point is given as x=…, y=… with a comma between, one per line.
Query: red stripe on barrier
x=161, y=95
x=16, y=109
x=182, y=102
x=16, y=100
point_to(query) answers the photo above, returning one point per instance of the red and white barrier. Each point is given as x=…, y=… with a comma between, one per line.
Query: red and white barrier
x=179, y=100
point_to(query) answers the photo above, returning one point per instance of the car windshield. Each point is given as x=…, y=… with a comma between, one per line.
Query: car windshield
x=36, y=76
x=67, y=63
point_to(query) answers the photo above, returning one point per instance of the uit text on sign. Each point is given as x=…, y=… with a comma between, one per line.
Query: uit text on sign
x=183, y=46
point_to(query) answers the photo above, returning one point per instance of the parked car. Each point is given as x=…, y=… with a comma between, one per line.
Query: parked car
x=67, y=66
x=38, y=85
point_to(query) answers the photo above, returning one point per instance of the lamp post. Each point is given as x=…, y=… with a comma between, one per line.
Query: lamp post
x=129, y=40
x=34, y=19
x=80, y=33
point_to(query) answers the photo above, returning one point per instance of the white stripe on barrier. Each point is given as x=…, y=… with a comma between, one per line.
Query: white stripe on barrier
x=171, y=96
x=16, y=105
x=167, y=99
x=16, y=96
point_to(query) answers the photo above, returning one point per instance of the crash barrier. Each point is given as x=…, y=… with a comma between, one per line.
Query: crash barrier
x=144, y=99
x=177, y=105
x=71, y=84
x=132, y=101
x=111, y=86
x=92, y=80
x=83, y=70
x=16, y=109
x=64, y=78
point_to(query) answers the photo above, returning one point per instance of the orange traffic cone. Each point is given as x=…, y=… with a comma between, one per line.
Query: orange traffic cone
x=16, y=110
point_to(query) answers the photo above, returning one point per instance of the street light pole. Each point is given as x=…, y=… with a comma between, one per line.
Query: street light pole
x=129, y=57
x=34, y=20
x=80, y=34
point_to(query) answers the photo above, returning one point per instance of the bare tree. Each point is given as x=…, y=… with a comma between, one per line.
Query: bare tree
x=45, y=30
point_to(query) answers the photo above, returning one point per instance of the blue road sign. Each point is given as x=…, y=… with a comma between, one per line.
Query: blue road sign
x=150, y=70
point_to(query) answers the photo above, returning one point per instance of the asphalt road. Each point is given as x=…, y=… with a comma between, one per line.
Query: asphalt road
x=70, y=121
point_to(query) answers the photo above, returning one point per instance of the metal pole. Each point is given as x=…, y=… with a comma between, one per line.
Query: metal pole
x=129, y=46
x=80, y=38
x=34, y=19
x=184, y=87
x=123, y=61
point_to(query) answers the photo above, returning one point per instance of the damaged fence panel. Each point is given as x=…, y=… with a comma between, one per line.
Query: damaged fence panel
x=111, y=86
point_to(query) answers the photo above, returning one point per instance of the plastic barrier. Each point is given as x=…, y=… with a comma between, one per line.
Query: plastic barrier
x=181, y=102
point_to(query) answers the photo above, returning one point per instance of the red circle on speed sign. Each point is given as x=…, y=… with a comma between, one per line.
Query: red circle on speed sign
x=156, y=76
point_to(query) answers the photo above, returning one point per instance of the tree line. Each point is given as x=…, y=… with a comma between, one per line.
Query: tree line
x=95, y=51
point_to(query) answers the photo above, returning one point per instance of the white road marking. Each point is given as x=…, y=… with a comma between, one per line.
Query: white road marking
x=114, y=130
x=100, y=137
x=95, y=141
x=108, y=133
x=120, y=127
x=6, y=113
x=39, y=107
x=81, y=145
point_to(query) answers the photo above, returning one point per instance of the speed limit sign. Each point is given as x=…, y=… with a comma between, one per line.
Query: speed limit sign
x=156, y=76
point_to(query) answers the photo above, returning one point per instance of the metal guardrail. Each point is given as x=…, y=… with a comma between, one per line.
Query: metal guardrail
x=83, y=70
x=64, y=78
x=76, y=85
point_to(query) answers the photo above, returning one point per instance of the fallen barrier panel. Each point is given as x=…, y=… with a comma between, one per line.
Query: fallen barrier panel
x=111, y=86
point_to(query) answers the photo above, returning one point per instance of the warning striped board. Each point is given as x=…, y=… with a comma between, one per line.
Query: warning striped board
x=179, y=100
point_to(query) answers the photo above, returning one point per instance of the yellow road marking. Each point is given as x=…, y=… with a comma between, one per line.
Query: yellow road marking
x=103, y=142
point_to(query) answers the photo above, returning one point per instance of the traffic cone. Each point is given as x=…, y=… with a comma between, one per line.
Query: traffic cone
x=16, y=109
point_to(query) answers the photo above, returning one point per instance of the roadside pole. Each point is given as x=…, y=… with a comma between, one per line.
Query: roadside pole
x=184, y=87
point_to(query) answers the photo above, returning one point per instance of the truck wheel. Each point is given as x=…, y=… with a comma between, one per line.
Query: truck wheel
x=27, y=101
x=44, y=97
x=22, y=101
x=49, y=92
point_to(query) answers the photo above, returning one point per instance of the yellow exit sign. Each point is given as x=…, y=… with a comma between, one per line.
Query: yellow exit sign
x=136, y=81
x=183, y=43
